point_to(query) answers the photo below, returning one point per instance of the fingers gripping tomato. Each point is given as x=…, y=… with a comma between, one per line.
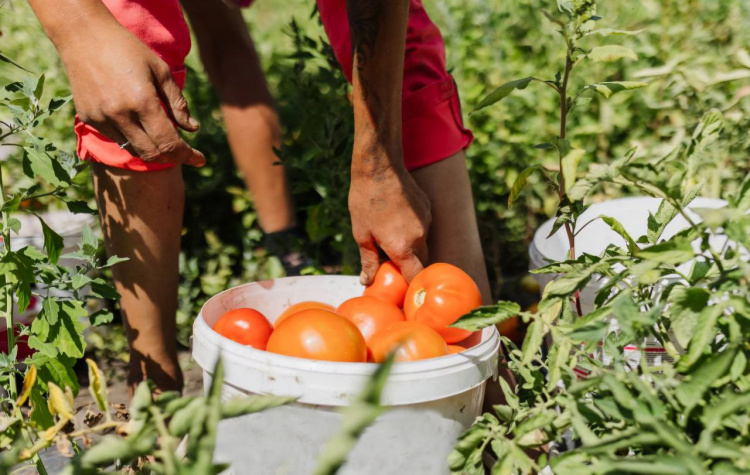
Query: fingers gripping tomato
x=318, y=334
x=411, y=341
x=440, y=295
x=298, y=307
x=388, y=284
x=245, y=326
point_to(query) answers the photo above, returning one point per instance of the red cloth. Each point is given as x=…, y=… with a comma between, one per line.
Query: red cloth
x=432, y=125
x=160, y=25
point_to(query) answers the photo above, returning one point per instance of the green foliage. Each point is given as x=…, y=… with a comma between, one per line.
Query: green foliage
x=628, y=415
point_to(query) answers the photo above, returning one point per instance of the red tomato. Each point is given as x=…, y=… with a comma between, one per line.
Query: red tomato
x=298, y=307
x=412, y=341
x=318, y=334
x=453, y=349
x=388, y=284
x=245, y=326
x=370, y=314
x=440, y=295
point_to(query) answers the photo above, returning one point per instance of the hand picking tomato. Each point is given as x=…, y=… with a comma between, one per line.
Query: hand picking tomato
x=453, y=349
x=412, y=341
x=388, y=284
x=298, y=307
x=370, y=314
x=440, y=295
x=318, y=334
x=245, y=326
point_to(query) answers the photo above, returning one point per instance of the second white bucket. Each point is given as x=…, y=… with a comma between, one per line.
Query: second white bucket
x=430, y=402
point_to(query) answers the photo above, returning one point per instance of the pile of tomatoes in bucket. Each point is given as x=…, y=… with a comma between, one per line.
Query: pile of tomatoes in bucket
x=411, y=319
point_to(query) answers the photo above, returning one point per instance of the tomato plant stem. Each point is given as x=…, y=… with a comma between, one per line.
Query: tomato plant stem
x=563, y=127
x=7, y=288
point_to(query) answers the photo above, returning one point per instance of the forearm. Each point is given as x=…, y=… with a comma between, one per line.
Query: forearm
x=378, y=31
x=64, y=20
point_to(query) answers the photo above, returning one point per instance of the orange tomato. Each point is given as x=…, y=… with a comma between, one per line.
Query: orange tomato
x=370, y=314
x=412, y=341
x=245, y=326
x=318, y=334
x=298, y=307
x=453, y=349
x=440, y=295
x=388, y=284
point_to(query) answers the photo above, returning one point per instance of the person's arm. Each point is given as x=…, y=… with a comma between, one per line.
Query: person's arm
x=388, y=209
x=118, y=83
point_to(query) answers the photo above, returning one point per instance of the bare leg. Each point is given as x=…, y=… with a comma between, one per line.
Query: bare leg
x=141, y=217
x=454, y=235
x=233, y=67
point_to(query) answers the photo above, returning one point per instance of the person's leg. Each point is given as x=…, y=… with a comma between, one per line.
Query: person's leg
x=141, y=218
x=233, y=67
x=453, y=236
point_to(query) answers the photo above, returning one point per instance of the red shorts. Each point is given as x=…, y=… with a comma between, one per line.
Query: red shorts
x=432, y=125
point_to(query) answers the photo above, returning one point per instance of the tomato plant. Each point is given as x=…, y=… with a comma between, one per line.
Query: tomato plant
x=440, y=295
x=388, y=284
x=298, y=307
x=319, y=335
x=245, y=326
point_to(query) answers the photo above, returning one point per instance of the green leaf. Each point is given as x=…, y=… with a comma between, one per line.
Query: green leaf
x=113, y=260
x=674, y=252
x=18, y=270
x=486, y=316
x=609, y=53
x=50, y=311
x=183, y=418
x=356, y=418
x=617, y=227
x=501, y=92
x=53, y=242
x=101, y=317
x=39, y=89
x=606, y=89
x=703, y=335
x=570, y=166
x=80, y=280
x=44, y=166
x=67, y=335
x=79, y=207
x=89, y=242
x=108, y=450
x=686, y=306
x=40, y=416
x=532, y=342
x=468, y=448
x=5, y=59
x=611, y=32
x=239, y=406
x=703, y=375
x=58, y=370
x=522, y=179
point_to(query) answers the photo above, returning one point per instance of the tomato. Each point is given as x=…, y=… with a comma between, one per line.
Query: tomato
x=453, y=349
x=318, y=334
x=370, y=314
x=245, y=326
x=440, y=295
x=412, y=341
x=388, y=284
x=298, y=307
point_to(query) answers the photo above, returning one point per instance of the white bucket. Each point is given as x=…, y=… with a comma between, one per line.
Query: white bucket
x=632, y=213
x=597, y=236
x=431, y=402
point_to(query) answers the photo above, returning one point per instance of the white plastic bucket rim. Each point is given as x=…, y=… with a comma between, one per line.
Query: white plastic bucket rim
x=332, y=383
